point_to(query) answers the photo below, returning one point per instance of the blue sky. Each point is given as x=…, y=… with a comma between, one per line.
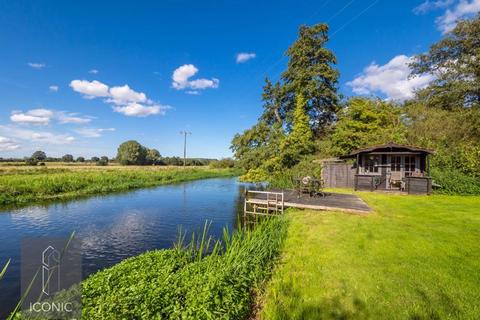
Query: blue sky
x=83, y=77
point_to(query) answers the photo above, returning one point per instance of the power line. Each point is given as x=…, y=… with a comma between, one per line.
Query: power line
x=276, y=63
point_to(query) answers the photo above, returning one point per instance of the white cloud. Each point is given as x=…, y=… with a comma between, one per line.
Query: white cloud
x=34, y=116
x=64, y=117
x=93, y=71
x=122, y=98
x=44, y=116
x=391, y=79
x=35, y=136
x=245, y=56
x=7, y=144
x=428, y=6
x=36, y=65
x=181, y=79
x=462, y=10
x=139, y=110
x=93, y=132
x=90, y=89
x=53, y=88
x=124, y=95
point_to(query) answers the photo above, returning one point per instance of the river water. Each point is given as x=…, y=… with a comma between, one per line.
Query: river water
x=114, y=227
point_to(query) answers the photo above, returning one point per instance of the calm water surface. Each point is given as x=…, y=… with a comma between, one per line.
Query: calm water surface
x=119, y=226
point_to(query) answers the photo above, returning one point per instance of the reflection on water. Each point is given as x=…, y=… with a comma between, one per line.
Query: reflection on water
x=119, y=226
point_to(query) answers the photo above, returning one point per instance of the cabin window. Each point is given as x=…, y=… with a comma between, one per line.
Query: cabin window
x=396, y=163
x=410, y=163
x=371, y=163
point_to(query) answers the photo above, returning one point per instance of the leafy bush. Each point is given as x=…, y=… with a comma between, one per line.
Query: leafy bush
x=102, y=162
x=223, y=163
x=185, y=283
x=453, y=181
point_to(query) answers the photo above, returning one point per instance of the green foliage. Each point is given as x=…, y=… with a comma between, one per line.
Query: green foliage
x=94, y=159
x=67, y=158
x=102, y=162
x=183, y=283
x=255, y=145
x=454, y=62
x=454, y=135
x=364, y=122
x=300, y=140
x=453, y=181
x=222, y=163
x=310, y=73
x=39, y=156
x=80, y=159
x=255, y=175
x=31, y=161
x=296, y=110
x=153, y=156
x=285, y=178
x=131, y=153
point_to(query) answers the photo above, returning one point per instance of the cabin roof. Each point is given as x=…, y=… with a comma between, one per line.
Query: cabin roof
x=387, y=148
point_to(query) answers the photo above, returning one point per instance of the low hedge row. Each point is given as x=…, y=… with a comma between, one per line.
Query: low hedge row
x=455, y=182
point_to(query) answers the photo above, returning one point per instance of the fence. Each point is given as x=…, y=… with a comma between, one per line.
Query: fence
x=338, y=175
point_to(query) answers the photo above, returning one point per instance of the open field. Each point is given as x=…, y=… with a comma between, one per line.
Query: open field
x=415, y=257
x=23, y=185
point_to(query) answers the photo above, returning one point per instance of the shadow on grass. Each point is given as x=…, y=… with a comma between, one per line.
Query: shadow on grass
x=339, y=307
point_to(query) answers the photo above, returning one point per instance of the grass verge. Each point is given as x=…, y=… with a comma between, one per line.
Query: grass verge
x=20, y=187
x=415, y=257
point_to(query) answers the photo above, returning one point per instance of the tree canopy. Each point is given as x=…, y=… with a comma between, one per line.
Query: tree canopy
x=131, y=153
x=454, y=61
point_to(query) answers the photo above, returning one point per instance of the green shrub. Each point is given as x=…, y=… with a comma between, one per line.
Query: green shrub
x=453, y=181
x=285, y=178
x=183, y=283
x=223, y=163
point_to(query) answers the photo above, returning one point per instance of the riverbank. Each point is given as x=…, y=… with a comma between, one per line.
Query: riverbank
x=413, y=257
x=22, y=186
x=202, y=279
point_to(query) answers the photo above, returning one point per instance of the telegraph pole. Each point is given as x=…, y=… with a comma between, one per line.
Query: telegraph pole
x=185, y=147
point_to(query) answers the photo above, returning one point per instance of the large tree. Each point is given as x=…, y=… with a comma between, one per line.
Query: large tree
x=310, y=79
x=131, y=153
x=39, y=155
x=455, y=62
x=311, y=73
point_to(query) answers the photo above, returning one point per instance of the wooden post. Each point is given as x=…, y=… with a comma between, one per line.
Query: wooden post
x=428, y=164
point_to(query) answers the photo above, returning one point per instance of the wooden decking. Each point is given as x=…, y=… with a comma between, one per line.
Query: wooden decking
x=331, y=201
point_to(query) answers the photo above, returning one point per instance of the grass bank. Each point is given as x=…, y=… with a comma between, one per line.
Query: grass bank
x=20, y=186
x=415, y=257
x=198, y=281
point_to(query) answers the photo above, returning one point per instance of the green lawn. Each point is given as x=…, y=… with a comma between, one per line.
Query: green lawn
x=415, y=257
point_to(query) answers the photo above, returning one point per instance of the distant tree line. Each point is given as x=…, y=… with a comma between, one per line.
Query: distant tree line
x=128, y=153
